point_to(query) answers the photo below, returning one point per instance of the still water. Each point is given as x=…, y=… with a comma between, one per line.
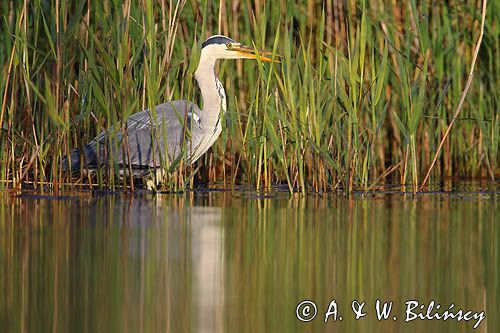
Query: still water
x=241, y=262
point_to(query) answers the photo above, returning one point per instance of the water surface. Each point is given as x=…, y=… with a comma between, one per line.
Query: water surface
x=241, y=262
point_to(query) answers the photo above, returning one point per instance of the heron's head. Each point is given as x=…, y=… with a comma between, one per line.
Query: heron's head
x=222, y=47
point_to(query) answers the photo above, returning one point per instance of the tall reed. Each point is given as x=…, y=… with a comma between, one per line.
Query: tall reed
x=362, y=97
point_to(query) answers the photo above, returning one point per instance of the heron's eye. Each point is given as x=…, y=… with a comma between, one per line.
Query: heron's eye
x=229, y=45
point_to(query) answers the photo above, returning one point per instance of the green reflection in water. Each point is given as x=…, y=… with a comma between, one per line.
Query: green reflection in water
x=229, y=263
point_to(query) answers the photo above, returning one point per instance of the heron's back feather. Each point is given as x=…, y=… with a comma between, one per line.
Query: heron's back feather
x=147, y=140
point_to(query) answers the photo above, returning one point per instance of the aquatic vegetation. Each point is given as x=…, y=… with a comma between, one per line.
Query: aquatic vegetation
x=363, y=94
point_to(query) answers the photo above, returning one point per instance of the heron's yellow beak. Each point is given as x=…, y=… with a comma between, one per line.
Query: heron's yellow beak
x=250, y=53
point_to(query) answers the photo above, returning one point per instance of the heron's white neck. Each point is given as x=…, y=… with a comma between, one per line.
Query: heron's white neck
x=212, y=91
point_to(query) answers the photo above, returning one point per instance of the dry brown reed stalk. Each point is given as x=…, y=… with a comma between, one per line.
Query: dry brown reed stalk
x=462, y=97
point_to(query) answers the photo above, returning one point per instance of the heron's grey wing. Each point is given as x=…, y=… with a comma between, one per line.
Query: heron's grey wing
x=150, y=140
x=161, y=139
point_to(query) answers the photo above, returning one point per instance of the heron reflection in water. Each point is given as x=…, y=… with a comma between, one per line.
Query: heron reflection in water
x=176, y=130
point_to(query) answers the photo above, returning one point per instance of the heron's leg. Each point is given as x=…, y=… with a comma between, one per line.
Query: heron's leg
x=150, y=183
x=154, y=178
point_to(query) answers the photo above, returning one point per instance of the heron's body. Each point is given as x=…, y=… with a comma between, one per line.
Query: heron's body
x=177, y=129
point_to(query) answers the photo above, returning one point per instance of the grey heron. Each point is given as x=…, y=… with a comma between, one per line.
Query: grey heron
x=177, y=129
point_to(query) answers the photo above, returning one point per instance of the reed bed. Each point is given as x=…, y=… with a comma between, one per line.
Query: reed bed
x=363, y=95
